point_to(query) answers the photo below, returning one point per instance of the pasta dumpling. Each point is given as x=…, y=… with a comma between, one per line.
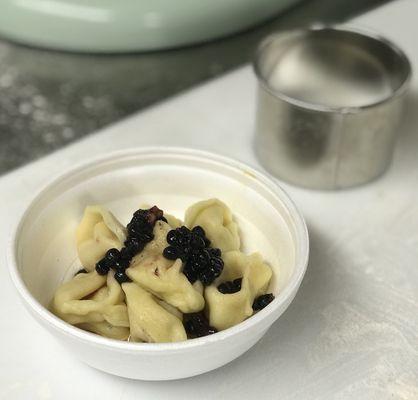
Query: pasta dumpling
x=165, y=280
x=85, y=299
x=226, y=310
x=216, y=219
x=98, y=232
x=149, y=321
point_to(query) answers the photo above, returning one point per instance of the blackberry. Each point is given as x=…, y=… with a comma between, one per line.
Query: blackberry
x=191, y=246
x=102, y=267
x=121, y=277
x=230, y=287
x=262, y=301
x=197, y=325
x=81, y=271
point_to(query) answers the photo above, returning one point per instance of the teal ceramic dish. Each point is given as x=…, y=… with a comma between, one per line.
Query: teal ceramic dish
x=129, y=25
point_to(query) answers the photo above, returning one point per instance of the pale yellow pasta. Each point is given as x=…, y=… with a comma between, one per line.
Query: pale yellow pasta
x=98, y=232
x=105, y=329
x=85, y=299
x=226, y=310
x=216, y=219
x=171, y=309
x=173, y=221
x=149, y=321
x=80, y=286
x=198, y=286
x=166, y=281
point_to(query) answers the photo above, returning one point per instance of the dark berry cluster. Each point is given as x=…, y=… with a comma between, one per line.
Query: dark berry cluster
x=140, y=228
x=140, y=232
x=197, y=325
x=262, y=301
x=230, y=287
x=201, y=262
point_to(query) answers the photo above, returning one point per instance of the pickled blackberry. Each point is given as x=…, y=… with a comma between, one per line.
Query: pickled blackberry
x=262, y=301
x=230, y=287
x=192, y=247
x=197, y=325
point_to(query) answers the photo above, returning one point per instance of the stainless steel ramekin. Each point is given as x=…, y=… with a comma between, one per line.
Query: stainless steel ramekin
x=329, y=104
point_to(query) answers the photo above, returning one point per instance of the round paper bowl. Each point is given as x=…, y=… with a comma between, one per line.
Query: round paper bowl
x=42, y=252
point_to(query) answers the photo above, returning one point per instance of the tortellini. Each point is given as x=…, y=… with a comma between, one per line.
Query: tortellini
x=216, y=219
x=149, y=321
x=90, y=299
x=226, y=310
x=98, y=232
x=167, y=282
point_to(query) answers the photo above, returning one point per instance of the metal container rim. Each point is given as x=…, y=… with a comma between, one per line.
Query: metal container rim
x=309, y=106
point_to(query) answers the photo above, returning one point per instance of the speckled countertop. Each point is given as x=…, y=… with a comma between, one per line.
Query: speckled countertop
x=49, y=99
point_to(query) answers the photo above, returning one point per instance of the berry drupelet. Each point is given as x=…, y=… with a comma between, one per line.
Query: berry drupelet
x=140, y=232
x=197, y=325
x=230, y=287
x=192, y=246
x=262, y=301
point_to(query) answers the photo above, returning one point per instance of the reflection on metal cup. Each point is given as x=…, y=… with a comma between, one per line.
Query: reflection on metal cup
x=329, y=103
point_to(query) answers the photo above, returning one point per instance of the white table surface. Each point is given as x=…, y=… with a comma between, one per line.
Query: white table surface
x=352, y=331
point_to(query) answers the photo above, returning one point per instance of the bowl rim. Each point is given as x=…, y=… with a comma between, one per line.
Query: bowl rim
x=63, y=327
x=366, y=33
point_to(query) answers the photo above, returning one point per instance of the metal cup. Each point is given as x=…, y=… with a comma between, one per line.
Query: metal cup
x=329, y=104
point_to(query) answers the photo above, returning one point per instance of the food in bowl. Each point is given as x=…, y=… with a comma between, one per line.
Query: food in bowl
x=159, y=280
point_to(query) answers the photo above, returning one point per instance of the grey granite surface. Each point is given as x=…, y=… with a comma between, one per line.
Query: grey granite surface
x=49, y=99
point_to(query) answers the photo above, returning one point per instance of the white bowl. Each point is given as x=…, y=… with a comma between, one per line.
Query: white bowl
x=42, y=251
